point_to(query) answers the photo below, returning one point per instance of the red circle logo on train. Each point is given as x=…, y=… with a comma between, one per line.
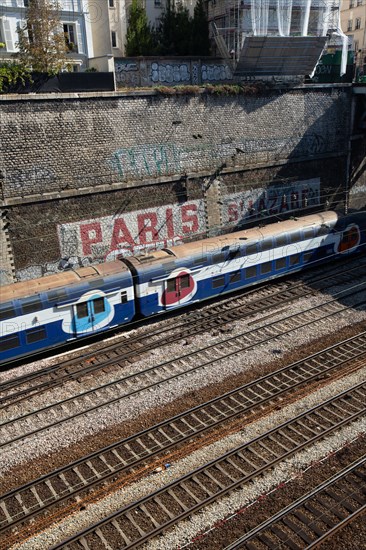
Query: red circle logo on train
x=179, y=289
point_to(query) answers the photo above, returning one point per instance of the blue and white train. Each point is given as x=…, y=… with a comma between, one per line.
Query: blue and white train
x=48, y=312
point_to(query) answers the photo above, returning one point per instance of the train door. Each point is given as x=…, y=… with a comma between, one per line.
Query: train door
x=177, y=289
x=88, y=314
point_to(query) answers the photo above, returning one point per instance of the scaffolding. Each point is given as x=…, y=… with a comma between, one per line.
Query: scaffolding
x=234, y=21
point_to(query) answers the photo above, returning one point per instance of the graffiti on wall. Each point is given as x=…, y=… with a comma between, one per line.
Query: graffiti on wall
x=146, y=72
x=133, y=232
x=147, y=160
x=127, y=72
x=170, y=73
x=257, y=203
x=216, y=72
x=168, y=159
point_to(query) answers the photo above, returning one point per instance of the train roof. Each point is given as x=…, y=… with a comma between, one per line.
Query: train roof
x=251, y=235
x=216, y=244
x=60, y=280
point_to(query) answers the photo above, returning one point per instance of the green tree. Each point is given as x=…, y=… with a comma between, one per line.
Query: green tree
x=140, y=38
x=41, y=41
x=200, y=32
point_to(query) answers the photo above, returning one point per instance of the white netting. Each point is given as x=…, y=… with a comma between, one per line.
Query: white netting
x=284, y=16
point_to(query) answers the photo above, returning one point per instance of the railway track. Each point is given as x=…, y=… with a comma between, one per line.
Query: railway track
x=153, y=514
x=22, y=504
x=17, y=427
x=315, y=517
x=125, y=351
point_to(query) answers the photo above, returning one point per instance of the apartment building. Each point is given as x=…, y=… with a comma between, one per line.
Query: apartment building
x=74, y=21
x=353, y=22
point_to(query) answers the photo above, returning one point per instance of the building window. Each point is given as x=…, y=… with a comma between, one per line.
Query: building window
x=359, y=2
x=351, y=3
x=111, y=3
x=26, y=3
x=157, y=3
x=114, y=39
x=358, y=23
x=70, y=37
x=349, y=25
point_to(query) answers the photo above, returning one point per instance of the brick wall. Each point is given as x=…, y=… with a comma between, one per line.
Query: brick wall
x=160, y=166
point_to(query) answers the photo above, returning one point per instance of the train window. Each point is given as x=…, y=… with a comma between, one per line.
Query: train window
x=218, y=282
x=235, y=277
x=266, y=268
x=251, y=272
x=295, y=259
x=308, y=233
x=31, y=304
x=99, y=305
x=82, y=310
x=170, y=285
x=251, y=249
x=200, y=260
x=56, y=295
x=307, y=256
x=124, y=297
x=295, y=237
x=266, y=244
x=96, y=283
x=9, y=342
x=184, y=281
x=218, y=258
x=35, y=334
x=7, y=311
x=281, y=240
x=280, y=263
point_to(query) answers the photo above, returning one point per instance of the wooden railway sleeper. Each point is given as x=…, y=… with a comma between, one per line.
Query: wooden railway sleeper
x=298, y=530
x=36, y=495
x=149, y=515
x=207, y=473
x=118, y=456
x=95, y=472
x=225, y=472
x=280, y=534
x=133, y=521
x=8, y=517
x=177, y=500
x=104, y=541
x=189, y=492
x=79, y=475
x=120, y=532
x=325, y=505
x=341, y=500
x=242, y=472
x=163, y=507
x=246, y=459
x=309, y=522
x=320, y=515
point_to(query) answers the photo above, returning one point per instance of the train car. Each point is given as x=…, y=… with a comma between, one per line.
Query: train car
x=197, y=271
x=43, y=313
x=47, y=312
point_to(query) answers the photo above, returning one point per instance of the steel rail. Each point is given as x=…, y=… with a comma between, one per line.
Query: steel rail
x=145, y=339
x=264, y=530
x=172, y=432
x=179, y=364
x=153, y=514
x=202, y=324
